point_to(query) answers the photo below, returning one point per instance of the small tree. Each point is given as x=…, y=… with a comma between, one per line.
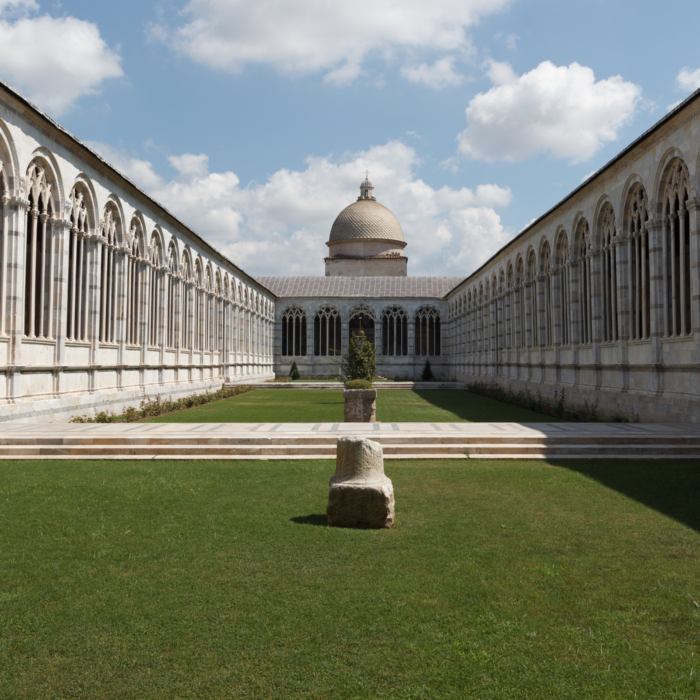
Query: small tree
x=359, y=362
x=294, y=372
x=427, y=375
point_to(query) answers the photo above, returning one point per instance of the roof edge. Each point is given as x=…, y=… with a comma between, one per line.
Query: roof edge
x=53, y=124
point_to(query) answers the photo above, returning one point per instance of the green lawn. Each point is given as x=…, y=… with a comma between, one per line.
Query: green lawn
x=326, y=406
x=219, y=580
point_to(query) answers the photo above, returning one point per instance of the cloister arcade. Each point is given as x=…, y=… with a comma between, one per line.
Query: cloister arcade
x=599, y=297
x=104, y=296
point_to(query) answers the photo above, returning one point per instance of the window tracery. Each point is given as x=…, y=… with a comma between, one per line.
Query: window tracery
x=564, y=288
x=133, y=320
x=639, y=265
x=395, y=332
x=294, y=332
x=78, y=275
x=677, y=272
x=428, y=333
x=109, y=240
x=584, y=271
x=608, y=240
x=327, y=332
x=39, y=260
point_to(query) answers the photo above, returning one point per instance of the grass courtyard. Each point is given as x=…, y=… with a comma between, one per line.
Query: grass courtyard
x=220, y=580
x=326, y=406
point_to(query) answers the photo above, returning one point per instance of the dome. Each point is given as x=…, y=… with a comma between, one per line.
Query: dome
x=366, y=219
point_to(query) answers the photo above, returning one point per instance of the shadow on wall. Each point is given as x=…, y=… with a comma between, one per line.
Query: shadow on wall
x=669, y=487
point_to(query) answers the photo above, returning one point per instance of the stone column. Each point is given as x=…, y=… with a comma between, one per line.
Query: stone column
x=657, y=291
x=16, y=254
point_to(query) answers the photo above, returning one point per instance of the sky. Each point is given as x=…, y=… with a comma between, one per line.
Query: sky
x=254, y=122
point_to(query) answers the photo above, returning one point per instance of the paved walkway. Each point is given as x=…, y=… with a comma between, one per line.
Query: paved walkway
x=481, y=430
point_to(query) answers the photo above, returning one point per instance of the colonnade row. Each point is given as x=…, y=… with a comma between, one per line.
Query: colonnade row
x=78, y=290
x=391, y=331
x=600, y=285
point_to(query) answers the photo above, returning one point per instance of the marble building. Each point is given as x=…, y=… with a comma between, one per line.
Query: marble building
x=106, y=297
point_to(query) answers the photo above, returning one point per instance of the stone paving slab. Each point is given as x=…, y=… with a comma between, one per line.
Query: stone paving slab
x=407, y=430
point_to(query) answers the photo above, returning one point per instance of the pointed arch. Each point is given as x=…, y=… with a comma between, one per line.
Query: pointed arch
x=428, y=334
x=40, y=248
x=561, y=257
x=607, y=244
x=675, y=217
x=294, y=323
x=584, y=278
x=327, y=331
x=110, y=238
x=395, y=331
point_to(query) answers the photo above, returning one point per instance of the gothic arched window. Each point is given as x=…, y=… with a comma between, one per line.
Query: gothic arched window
x=394, y=332
x=294, y=332
x=327, y=332
x=39, y=255
x=639, y=265
x=133, y=316
x=171, y=300
x=427, y=326
x=110, y=237
x=78, y=274
x=585, y=282
x=562, y=259
x=609, y=263
x=362, y=321
x=677, y=223
x=155, y=312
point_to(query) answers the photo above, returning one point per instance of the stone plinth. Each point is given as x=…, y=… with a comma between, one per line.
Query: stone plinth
x=360, y=405
x=360, y=494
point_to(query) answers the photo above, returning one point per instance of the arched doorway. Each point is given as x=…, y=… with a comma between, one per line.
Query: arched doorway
x=362, y=319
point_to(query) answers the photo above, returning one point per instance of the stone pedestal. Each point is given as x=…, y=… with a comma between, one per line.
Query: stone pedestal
x=360, y=405
x=360, y=494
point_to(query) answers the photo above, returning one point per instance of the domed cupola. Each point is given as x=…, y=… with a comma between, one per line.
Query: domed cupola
x=366, y=240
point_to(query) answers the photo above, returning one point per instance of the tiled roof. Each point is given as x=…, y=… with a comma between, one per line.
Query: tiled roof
x=377, y=287
x=366, y=219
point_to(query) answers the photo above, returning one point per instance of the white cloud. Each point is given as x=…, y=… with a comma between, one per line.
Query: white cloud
x=308, y=36
x=280, y=227
x=439, y=75
x=556, y=109
x=8, y=7
x=688, y=80
x=510, y=40
x=53, y=61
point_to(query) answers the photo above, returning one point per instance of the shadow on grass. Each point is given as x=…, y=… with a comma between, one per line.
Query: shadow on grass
x=669, y=487
x=315, y=519
x=480, y=409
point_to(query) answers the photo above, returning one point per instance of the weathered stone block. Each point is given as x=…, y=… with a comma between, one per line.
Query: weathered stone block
x=360, y=405
x=360, y=494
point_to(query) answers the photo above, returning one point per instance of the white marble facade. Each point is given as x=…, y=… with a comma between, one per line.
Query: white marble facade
x=600, y=296
x=105, y=297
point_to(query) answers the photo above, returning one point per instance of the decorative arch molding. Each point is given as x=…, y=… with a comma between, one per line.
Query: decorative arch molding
x=136, y=235
x=83, y=182
x=114, y=201
x=428, y=332
x=661, y=178
x=156, y=247
x=294, y=332
x=362, y=309
x=328, y=334
x=632, y=182
x=603, y=208
x=63, y=205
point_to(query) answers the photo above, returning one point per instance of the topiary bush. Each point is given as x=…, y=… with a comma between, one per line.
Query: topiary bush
x=427, y=375
x=358, y=384
x=294, y=372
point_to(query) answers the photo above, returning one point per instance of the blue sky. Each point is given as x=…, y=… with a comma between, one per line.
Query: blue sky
x=254, y=122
